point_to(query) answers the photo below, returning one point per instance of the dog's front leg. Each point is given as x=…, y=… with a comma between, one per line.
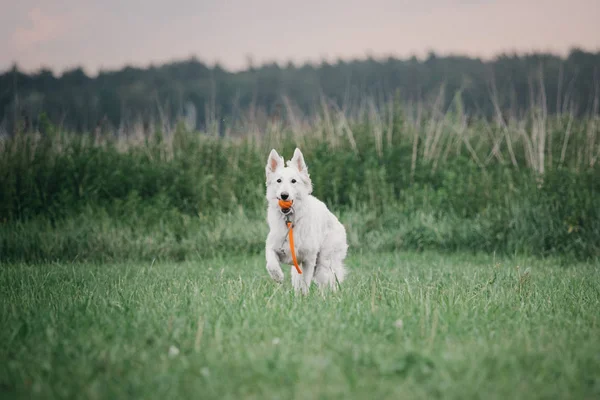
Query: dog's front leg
x=301, y=283
x=273, y=266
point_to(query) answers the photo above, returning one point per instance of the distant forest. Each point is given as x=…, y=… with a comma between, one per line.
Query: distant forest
x=159, y=96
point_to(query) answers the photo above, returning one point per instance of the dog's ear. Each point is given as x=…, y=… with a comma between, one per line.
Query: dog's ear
x=297, y=162
x=274, y=162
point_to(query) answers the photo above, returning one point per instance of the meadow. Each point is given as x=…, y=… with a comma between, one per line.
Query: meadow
x=132, y=264
x=410, y=325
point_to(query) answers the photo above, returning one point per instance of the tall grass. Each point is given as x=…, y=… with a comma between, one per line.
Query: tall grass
x=400, y=175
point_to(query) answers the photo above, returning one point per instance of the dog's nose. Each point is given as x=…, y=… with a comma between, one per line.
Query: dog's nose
x=284, y=196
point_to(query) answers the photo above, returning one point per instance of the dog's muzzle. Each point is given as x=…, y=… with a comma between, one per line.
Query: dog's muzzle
x=285, y=206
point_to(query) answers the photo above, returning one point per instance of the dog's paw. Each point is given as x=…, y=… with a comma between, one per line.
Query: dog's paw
x=276, y=273
x=302, y=288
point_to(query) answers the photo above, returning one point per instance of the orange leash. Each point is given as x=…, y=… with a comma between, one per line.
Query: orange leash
x=286, y=205
x=289, y=224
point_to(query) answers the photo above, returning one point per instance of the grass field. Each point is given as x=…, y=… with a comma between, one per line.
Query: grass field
x=404, y=325
x=131, y=266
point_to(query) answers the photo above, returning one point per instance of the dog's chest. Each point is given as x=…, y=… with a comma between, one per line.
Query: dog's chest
x=284, y=253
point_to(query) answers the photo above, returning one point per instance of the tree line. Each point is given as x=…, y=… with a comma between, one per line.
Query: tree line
x=510, y=84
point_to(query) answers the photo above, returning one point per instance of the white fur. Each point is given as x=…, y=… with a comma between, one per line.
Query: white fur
x=319, y=237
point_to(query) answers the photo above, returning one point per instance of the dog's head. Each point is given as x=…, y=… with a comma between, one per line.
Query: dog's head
x=291, y=182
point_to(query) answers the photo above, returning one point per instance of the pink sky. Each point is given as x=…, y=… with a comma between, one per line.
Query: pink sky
x=108, y=34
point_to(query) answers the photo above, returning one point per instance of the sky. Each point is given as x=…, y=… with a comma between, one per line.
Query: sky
x=109, y=34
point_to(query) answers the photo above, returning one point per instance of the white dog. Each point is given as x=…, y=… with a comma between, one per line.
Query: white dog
x=319, y=238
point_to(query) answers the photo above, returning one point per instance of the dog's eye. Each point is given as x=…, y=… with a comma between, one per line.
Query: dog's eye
x=279, y=180
x=293, y=181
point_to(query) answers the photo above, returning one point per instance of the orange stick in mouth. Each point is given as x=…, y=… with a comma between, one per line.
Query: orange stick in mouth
x=286, y=205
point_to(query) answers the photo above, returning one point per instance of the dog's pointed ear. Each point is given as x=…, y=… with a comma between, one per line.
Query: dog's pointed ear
x=297, y=162
x=274, y=162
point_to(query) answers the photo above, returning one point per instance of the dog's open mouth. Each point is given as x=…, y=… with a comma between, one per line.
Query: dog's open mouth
x=286, y=206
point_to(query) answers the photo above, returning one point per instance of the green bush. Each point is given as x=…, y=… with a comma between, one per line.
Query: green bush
x=186, y=194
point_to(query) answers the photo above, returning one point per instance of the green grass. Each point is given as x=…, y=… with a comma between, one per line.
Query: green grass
x=472, y=327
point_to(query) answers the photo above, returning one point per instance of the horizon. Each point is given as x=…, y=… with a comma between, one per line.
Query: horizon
x=68, y=34
x=284, y=63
